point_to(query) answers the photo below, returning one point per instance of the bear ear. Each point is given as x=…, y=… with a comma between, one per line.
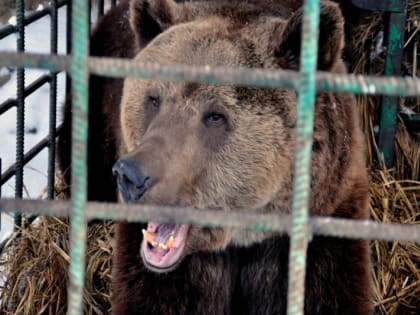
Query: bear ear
x=149, y=18
x=286, y=40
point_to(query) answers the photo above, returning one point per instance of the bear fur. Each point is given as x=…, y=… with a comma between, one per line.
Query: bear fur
x=223, y=148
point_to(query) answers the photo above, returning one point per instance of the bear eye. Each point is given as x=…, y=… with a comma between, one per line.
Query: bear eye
x=214, y=119
x=153, y=102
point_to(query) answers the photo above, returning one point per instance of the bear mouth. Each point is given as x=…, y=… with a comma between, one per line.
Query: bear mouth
x=163, y=245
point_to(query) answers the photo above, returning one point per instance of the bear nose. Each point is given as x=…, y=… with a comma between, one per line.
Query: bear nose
x=131, y=178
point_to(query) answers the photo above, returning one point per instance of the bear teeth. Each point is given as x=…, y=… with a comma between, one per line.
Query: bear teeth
x=170, y=242
x=149, y=237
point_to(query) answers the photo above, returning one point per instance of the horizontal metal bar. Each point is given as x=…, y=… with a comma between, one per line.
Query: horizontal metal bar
x=357, y=229
x=348, y=83
x=30, y=18
x=26, y=158
x=11, y=102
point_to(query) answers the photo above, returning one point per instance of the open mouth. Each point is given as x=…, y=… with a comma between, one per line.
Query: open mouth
x=163, y=245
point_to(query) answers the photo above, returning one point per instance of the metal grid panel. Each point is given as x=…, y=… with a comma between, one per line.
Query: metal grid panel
x=306, y=83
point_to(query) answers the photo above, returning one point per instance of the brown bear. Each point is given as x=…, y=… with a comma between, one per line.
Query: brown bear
x=223, y=148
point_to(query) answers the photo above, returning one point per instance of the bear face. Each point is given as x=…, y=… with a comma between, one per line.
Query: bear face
x=224, y=147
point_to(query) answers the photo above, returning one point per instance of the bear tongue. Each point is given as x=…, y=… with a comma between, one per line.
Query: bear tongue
x=164, y=231
x=164, y=258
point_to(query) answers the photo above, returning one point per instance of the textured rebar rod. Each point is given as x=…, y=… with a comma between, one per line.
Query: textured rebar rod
x=300, y=232
x=68, y=43
x=35, y=85
x=35, y=16
x=53, y=104
x=250, y=219
x=79, y=74
x=29, y=155
x=20, y=107
x=346, y=83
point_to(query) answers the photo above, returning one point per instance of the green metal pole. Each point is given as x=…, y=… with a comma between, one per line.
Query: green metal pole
x=389, y=107
x=300, y=232
x=80, y=75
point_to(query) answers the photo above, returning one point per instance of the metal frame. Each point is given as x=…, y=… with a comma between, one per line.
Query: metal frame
x=306, y=82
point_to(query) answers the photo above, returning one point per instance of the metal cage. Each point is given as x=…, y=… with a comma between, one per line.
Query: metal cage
x=79, y=65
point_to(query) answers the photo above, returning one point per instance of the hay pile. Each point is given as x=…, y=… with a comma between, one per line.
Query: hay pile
x=37, y=262
x=395, y=193
x=396, y=265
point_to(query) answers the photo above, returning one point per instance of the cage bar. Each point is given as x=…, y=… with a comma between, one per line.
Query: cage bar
x=251, y=219
x=114, y=67
x=80, y=84
x=393, y=61
x=299, y=226
x=20, y=107
x=35, y=85
x=53, y=104
x=33, y=152
x=300, y=232
x=35, y=16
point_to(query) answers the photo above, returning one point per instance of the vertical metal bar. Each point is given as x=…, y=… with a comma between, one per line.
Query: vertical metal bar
x=53, y=104
x=20, y=110
x=68, y=42
x=100, y=8
x=89, y=15
x=79, y=73
x=301, y=189
x=396, y=31
x=0, y=191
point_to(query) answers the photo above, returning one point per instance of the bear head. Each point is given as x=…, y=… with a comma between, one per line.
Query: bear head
x=225, y=147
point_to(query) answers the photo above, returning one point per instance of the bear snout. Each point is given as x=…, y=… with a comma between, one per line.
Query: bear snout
x=132, y=180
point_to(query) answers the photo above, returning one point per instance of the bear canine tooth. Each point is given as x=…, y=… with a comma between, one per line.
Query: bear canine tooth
x=149, y=237
x=170, y=242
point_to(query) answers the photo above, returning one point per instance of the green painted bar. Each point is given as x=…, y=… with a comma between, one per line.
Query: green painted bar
x=80, y=76
x=346, y=83
x=389, y=107
x=300, y=232
x=251, y=219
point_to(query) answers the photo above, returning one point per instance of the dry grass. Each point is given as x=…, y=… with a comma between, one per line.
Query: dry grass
x=36, y=264
x=395, y=193
x=396, y=265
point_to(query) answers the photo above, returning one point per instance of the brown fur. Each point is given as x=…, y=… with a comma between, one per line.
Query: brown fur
x=244, y=162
